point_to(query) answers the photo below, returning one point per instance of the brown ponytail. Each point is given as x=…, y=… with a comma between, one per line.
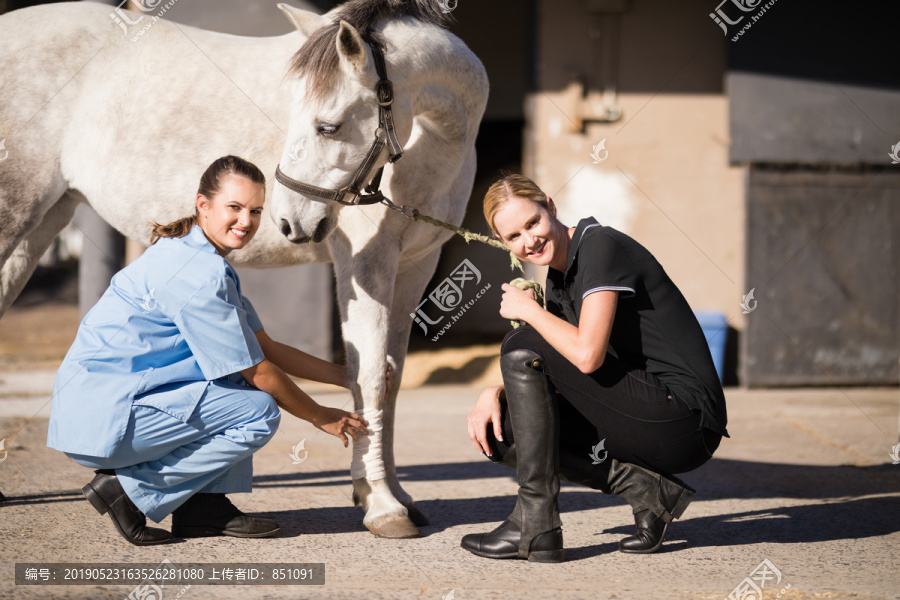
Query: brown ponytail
x=210, y=184
x=179, y=228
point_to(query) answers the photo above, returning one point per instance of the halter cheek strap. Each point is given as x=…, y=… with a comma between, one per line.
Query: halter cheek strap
x=384, y=135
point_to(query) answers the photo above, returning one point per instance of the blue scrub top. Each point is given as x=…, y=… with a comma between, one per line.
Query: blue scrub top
x=169, y=323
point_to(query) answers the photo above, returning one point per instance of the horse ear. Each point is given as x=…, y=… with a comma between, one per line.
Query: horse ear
x=305, y=21
x=351, y=48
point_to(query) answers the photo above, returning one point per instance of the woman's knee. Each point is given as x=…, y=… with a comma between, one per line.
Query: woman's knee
x=261, y=423
x=525, y=337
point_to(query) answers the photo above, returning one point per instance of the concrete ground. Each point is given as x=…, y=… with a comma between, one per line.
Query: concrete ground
x=805, y=482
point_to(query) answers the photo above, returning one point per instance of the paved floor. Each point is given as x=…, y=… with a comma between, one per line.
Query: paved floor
x=805, y=482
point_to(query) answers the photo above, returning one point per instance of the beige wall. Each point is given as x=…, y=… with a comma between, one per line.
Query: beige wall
x=666, y=181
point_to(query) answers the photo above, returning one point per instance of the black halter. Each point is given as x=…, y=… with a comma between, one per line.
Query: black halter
x=384, y=94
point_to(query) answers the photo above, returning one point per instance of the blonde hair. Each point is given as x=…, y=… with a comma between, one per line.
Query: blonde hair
x=210, y=184
x=511, y=186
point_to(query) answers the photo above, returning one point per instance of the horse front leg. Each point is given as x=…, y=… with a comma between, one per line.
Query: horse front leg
x=365, y=285
x=410, y=285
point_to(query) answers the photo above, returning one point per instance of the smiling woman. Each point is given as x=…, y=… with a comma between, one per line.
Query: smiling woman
x=611, y=386
x=172, y=383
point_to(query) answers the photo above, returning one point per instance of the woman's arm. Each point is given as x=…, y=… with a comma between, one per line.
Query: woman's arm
x=585, y=345
x=300, y=364
x=268, y=377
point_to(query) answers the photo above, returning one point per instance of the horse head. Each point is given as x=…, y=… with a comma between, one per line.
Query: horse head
x=334, y=127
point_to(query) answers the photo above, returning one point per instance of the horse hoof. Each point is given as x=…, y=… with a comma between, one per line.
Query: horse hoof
x=395, y=528
x=417, y=516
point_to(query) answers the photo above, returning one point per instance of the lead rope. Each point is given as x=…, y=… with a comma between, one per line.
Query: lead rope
x=413, y=213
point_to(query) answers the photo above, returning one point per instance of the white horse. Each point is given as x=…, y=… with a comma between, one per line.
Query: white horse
x=128, y=121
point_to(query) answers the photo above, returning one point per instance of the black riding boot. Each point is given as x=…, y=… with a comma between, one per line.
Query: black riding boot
x=533, y=530
x=655, y=500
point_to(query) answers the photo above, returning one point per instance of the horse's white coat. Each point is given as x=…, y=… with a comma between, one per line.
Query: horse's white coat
x=89, y=115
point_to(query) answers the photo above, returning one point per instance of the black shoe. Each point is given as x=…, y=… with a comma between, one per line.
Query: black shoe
x=503, y=542
x=206, y=515
x=649, y=537
x=106, y=494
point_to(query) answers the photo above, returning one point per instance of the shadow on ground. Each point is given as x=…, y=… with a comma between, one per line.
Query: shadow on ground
x=848, y=516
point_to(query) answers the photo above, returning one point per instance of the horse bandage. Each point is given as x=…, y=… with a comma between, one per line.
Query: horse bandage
x=367, y=462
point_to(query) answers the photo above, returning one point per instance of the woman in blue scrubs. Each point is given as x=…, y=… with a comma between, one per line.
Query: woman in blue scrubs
x=172, y=383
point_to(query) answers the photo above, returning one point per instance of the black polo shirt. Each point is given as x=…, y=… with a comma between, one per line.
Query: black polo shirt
x=654, y=329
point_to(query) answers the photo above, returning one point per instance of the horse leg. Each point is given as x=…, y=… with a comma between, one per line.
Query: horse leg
x=408, y=290
x=365, y=283
x=22, y=248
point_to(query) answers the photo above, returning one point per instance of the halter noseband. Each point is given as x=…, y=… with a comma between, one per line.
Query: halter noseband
x=385, y=134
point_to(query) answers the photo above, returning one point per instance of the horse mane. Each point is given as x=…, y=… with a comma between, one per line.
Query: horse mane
x=318, y=58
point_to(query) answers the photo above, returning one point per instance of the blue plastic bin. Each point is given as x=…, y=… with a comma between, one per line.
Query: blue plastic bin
x=715, y=328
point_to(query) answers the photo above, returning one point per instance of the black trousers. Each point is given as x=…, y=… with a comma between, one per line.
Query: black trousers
x=631, y=411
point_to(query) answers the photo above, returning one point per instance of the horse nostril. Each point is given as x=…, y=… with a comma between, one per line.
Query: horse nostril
x=285, y=228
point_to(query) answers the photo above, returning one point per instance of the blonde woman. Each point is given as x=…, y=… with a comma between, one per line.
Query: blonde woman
x=612, y=385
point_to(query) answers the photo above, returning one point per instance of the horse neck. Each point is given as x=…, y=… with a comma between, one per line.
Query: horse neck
x=447, y=88
x=443, y=79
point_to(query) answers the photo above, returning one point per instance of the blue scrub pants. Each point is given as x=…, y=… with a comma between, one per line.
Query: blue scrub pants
x=163, y=461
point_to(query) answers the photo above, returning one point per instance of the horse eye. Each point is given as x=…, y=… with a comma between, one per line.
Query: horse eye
x=327, y=129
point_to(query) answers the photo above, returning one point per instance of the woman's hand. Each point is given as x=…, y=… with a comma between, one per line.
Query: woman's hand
x=340, y=424
x=515, y=302
x=485, y=413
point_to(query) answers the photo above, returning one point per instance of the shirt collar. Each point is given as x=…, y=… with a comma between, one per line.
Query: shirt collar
x=197, y=239
x=576, y=238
